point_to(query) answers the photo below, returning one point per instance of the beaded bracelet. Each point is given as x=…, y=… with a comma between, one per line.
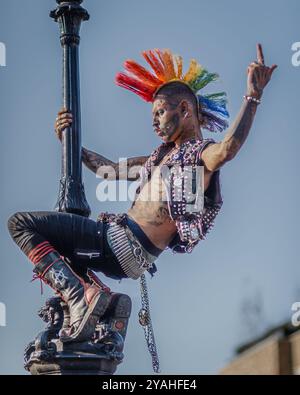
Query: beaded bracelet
x=252, y=99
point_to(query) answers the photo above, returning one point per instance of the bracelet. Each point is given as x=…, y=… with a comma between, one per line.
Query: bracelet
x=252, y=99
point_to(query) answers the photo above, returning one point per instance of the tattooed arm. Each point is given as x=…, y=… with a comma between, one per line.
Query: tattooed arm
x=216, y=155
x=103, y=167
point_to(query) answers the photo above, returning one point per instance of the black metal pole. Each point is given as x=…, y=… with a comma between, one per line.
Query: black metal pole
x=100, y=355
x=71, y=197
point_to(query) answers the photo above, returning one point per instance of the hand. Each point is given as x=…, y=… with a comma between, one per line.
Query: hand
x=63, y=121
x=258, y=75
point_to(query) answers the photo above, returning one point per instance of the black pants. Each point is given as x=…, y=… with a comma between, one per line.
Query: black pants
x=68, y=234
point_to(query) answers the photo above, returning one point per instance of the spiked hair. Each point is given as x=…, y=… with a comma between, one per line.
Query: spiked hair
x=168, y=68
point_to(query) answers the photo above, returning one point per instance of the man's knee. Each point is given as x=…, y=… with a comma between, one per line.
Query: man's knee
x=18, y=222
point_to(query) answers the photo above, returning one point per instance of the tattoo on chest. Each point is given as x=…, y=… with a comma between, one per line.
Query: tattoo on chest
x=153, y=213
x=161, y=215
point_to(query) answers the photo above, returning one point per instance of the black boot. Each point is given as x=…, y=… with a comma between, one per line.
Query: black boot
x=86, y=302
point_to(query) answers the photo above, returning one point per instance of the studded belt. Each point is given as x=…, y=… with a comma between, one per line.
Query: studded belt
x=128, y=251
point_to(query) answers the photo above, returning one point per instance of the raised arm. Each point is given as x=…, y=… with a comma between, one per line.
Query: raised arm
x=216, y=155
x=103, y=167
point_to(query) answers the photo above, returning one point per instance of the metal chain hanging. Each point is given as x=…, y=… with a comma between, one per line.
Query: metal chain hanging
x=145, y=321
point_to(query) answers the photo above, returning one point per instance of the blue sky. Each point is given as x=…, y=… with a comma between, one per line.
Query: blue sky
x=199, y=301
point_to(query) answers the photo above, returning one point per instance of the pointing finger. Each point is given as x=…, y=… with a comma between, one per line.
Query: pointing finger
x=260, y=55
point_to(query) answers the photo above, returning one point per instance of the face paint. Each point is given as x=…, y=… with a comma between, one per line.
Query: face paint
x=166, y=120
x=169, y=128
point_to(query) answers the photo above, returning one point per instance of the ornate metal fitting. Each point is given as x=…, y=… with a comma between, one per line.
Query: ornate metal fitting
x=69, y=15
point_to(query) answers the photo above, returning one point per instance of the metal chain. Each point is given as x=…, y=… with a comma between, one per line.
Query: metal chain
x=145, y=321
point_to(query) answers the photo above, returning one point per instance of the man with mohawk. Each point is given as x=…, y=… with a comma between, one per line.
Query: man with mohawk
x=174, y=206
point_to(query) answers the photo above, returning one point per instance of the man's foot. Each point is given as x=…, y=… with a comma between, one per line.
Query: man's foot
x=85, y=328
x=87, y=303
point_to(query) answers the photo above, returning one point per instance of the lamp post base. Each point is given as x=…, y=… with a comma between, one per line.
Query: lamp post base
x=76, y=361
x=100, y=355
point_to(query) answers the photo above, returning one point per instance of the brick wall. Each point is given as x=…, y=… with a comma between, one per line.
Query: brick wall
x=275, y=355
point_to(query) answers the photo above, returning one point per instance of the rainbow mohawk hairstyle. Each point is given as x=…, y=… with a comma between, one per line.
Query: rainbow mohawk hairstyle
x=167, y=68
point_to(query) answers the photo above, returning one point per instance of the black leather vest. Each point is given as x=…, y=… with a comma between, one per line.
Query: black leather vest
x=192, y=212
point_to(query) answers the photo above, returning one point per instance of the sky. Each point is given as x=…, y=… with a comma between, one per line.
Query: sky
x=245, y=277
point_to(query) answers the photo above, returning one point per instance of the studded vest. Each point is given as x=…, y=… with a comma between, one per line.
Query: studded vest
x=192, y=211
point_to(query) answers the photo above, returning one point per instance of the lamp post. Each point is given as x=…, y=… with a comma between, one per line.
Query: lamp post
x=46, y=354
x=71, y=197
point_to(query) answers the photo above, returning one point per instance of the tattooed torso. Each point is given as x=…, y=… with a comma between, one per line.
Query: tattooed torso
x=150, y=209
x=151, y=212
